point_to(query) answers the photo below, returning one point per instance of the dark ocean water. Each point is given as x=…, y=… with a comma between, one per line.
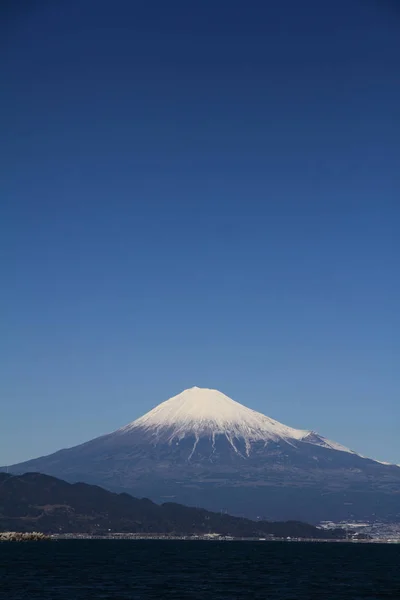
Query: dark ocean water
x=77, y=570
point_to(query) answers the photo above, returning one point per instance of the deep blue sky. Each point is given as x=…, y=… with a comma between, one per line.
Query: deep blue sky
x=199, y=193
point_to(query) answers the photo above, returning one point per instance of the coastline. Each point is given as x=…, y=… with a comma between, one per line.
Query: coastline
x=216, y=538
x=13, y=536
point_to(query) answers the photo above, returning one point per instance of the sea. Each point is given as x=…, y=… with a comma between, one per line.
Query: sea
x=212, y=570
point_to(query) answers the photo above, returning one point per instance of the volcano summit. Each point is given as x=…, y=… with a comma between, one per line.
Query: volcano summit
x=203, y=448
x=203, y=414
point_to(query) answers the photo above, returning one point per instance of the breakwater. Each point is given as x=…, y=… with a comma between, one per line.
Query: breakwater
x=15, y=536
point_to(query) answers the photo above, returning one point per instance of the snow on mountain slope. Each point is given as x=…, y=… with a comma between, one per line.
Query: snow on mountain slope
x=201, y=412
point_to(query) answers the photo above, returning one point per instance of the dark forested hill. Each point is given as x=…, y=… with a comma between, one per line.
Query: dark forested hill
x=36, y=502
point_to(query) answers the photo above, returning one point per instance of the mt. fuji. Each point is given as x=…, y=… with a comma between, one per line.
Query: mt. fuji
x=202, y=448
x=202, y=413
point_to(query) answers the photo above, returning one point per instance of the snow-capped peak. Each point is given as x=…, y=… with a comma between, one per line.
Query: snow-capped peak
x=202, y=412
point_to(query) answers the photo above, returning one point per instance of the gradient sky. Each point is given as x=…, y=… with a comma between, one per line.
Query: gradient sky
x=199, y=193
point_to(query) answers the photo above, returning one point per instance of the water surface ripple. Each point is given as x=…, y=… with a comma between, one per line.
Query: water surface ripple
x=141, y=570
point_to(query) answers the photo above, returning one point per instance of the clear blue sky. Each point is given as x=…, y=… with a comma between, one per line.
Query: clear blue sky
x=199, y=193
